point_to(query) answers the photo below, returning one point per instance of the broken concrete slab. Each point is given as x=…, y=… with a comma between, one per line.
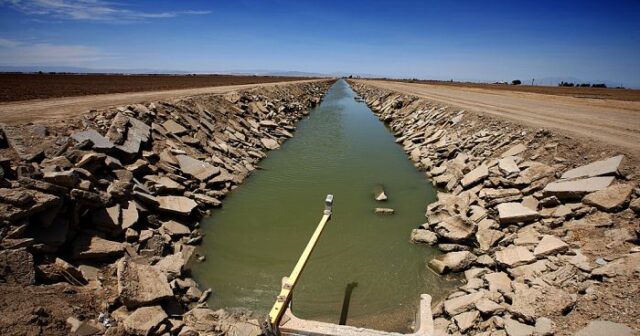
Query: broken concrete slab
x=515, y=213
x=176, y=204
x=172, y=265
x=175, y=229
x=605, y=167
x=100, y=143
x=513, y=151
x=530, y=202
x=577, y=188
x=91, y=161
x=173, y=127
x=129, y=215
x=208, y=200
x=550, y=245
x=475, y=272
x=196, y=168
x=612, y=198
x=268, y=123
x=462, y=304
x=466, y=320
x=118, y=129
x=455, y=228
x=165, y=183
x=270, y=143
x=136, y=135
x=536, y=171
x=527, y=271
x=88, y=198
x=495, y=196
x=498, y=282
x=144, y=321
x=68, y=179
x=475, y=176
x=107, y=219
x=488, y=307
x=17, y=197
x=487, y=238
x=422, y=236
x=384, y=211
x=635, y=205
x=452, y=262
x=508, y=166
x=605, y=328
x=379, y=194
x=43, y=186
x=140, y=285
x=544, y=327
x=94, y=247
x=515, y=328
x=514, y=256
x=84, y=328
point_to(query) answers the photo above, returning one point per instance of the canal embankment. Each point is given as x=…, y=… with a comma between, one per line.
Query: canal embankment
x=544, y=227
x=99, y=214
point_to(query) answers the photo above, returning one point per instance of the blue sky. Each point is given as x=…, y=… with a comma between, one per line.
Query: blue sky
x=461, y=40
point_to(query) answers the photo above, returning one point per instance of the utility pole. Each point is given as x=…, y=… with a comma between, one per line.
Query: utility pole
x=532, y=80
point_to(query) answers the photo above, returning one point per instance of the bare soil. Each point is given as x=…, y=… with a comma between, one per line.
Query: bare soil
x=16, y=87
x=577, y=92
x=39, y=110
x=43, y=310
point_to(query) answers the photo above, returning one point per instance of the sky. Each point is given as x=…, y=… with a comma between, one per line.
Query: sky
x=459, y=40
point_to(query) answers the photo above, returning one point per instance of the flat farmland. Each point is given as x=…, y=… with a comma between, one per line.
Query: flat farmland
x=576, y=92
x=18, y=87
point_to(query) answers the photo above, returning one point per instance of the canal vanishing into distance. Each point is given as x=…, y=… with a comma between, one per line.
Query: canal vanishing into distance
x=256, y=238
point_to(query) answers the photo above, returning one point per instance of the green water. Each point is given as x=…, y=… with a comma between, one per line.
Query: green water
x=258, y=235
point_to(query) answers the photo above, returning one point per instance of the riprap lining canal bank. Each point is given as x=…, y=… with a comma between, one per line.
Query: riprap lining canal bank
x=544, y=227
x=101, y=212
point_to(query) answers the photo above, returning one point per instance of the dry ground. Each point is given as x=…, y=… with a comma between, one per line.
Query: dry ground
x=606, y=121
x=43, y=310
x=38, y=110
x=577, y=92
x=15, y=87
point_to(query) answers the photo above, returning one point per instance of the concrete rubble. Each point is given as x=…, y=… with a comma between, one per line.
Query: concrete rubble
x=112, y=202
x=511, y=205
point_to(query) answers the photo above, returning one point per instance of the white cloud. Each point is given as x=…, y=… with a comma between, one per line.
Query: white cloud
x=90, y=10
x=6, y=43
x=22, y=53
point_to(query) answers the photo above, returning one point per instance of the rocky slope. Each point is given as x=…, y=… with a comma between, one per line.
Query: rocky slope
x=545, y=228
x=99, y=214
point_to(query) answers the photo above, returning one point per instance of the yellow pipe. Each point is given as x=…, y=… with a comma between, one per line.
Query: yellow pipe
x=284, y=297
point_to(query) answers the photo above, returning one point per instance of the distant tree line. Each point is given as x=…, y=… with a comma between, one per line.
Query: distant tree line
x=568, y=84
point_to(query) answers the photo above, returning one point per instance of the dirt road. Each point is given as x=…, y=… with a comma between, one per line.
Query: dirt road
x=57, y=108
x=612, y=122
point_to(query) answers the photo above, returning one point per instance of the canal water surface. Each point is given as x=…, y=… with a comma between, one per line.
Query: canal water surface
x=258, y=235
